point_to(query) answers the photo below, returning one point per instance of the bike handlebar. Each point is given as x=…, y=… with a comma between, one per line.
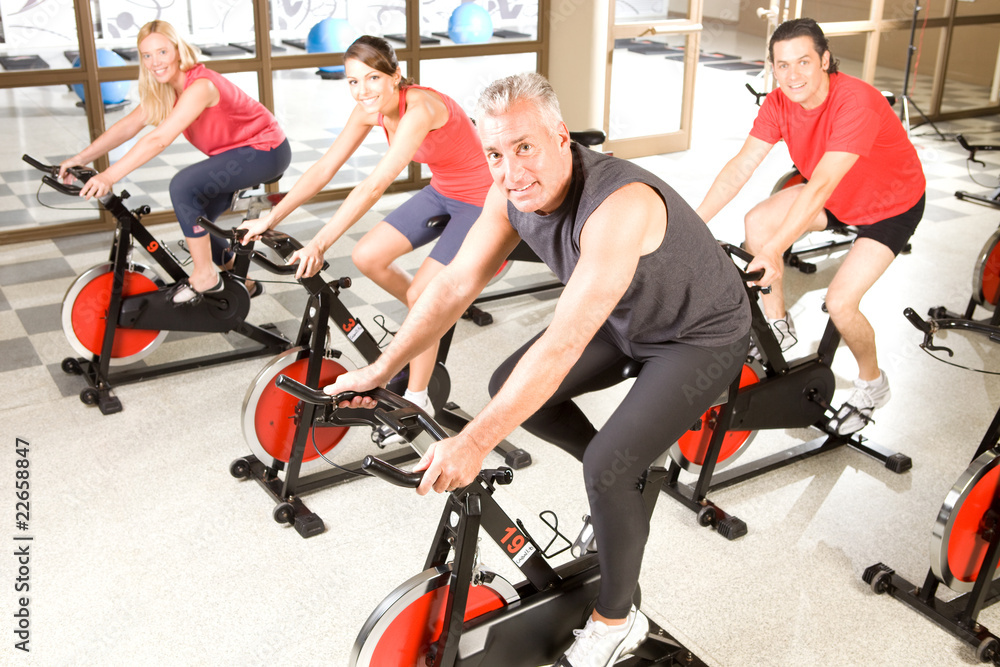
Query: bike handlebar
x=746, y=257
x=972, y=148
x=390, y=473
x=39, y=165
x=391, y=410
x=51, y=177
x=234, y=235
x=411, y=480
x=279, y=241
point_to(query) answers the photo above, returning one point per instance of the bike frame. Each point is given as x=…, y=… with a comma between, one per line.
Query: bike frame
x=792, y=394
x=323, y=307
x=129, y=230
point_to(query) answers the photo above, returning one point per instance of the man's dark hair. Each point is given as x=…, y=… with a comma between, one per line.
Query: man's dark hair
x=803, y=28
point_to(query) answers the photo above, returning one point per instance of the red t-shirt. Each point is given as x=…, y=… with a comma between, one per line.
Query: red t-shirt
x=453, y=152
x=887, y=178
x=237, y=120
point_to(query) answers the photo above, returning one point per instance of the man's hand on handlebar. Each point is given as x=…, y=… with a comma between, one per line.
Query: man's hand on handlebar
x=97, y=185
x=771, y=263
x=363, y=379
x=450, y=464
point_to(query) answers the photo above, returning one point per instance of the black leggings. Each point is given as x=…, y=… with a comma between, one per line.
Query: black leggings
x=677, y=384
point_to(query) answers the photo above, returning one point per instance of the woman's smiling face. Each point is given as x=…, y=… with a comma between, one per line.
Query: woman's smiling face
x=372, y=89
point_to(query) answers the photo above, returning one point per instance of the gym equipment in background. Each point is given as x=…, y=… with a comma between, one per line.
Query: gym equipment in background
x=113, y=93
x=118, y=312
x=331, y=36
x=283, y=433
x=774, y=394
x=470, y=23
x=965, y=550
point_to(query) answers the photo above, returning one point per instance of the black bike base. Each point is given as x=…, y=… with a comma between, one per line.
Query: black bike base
x=291, y=509
x=898, y=463
x=660, y=648
x=99, y=391
x=946, y=615
x=731, y=527
x=482, y=318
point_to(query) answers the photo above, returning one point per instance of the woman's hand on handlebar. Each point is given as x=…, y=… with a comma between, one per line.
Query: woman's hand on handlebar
x=97, y=185
x=771, y=263
x=310, y=260
x=256, y=228
x=450, y=464
x=64, y=168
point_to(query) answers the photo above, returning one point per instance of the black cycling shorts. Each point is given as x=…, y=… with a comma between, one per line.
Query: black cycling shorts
x=892, y=232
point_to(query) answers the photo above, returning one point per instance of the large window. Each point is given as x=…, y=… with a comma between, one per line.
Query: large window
x=298, y=75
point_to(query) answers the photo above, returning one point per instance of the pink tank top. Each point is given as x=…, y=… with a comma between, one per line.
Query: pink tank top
x=453, y=152
x=236, y=121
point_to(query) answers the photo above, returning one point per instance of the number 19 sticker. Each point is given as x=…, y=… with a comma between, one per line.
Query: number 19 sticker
x=519, y=548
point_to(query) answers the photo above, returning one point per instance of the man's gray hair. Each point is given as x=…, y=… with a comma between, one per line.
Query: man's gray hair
x=501, y=95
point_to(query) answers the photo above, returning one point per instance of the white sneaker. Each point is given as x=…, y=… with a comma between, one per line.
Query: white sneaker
x=857, y=410
x=386, y=437
x=183, y=293
x=600, y=645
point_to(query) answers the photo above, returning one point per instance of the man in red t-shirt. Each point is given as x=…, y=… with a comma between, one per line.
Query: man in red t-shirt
x=861, y=170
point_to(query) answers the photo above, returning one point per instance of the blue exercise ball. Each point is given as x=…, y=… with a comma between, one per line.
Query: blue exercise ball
x=330, y=36
x=470, y=24
x=112, y=92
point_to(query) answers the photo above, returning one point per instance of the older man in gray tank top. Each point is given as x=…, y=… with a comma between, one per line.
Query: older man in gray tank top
x=644, y=281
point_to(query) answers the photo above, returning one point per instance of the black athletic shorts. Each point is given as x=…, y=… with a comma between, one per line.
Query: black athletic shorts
x=892, y=232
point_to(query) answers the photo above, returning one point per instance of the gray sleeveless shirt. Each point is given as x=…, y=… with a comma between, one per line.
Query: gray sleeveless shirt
x=687, y=290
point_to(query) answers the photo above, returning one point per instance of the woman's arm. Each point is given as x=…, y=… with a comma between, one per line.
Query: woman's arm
x=413, y=128
x=359, y=124
x=110, y=139
x=193, y=101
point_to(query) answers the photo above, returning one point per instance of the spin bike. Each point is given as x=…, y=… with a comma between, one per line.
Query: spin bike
x=994, y=197
x=965, y=551
x=283, y=433
x=457, y=613
x=773, y=394
x=985, y=281
x=135, y=301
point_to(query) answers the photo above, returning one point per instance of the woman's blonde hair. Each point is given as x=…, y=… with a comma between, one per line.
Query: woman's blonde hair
x=158, y=99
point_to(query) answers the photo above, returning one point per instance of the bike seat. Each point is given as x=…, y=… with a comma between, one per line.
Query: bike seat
x=438, y=221
x=588, y=137
x=631, y=368
x=255, y=204
x=260, y=185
